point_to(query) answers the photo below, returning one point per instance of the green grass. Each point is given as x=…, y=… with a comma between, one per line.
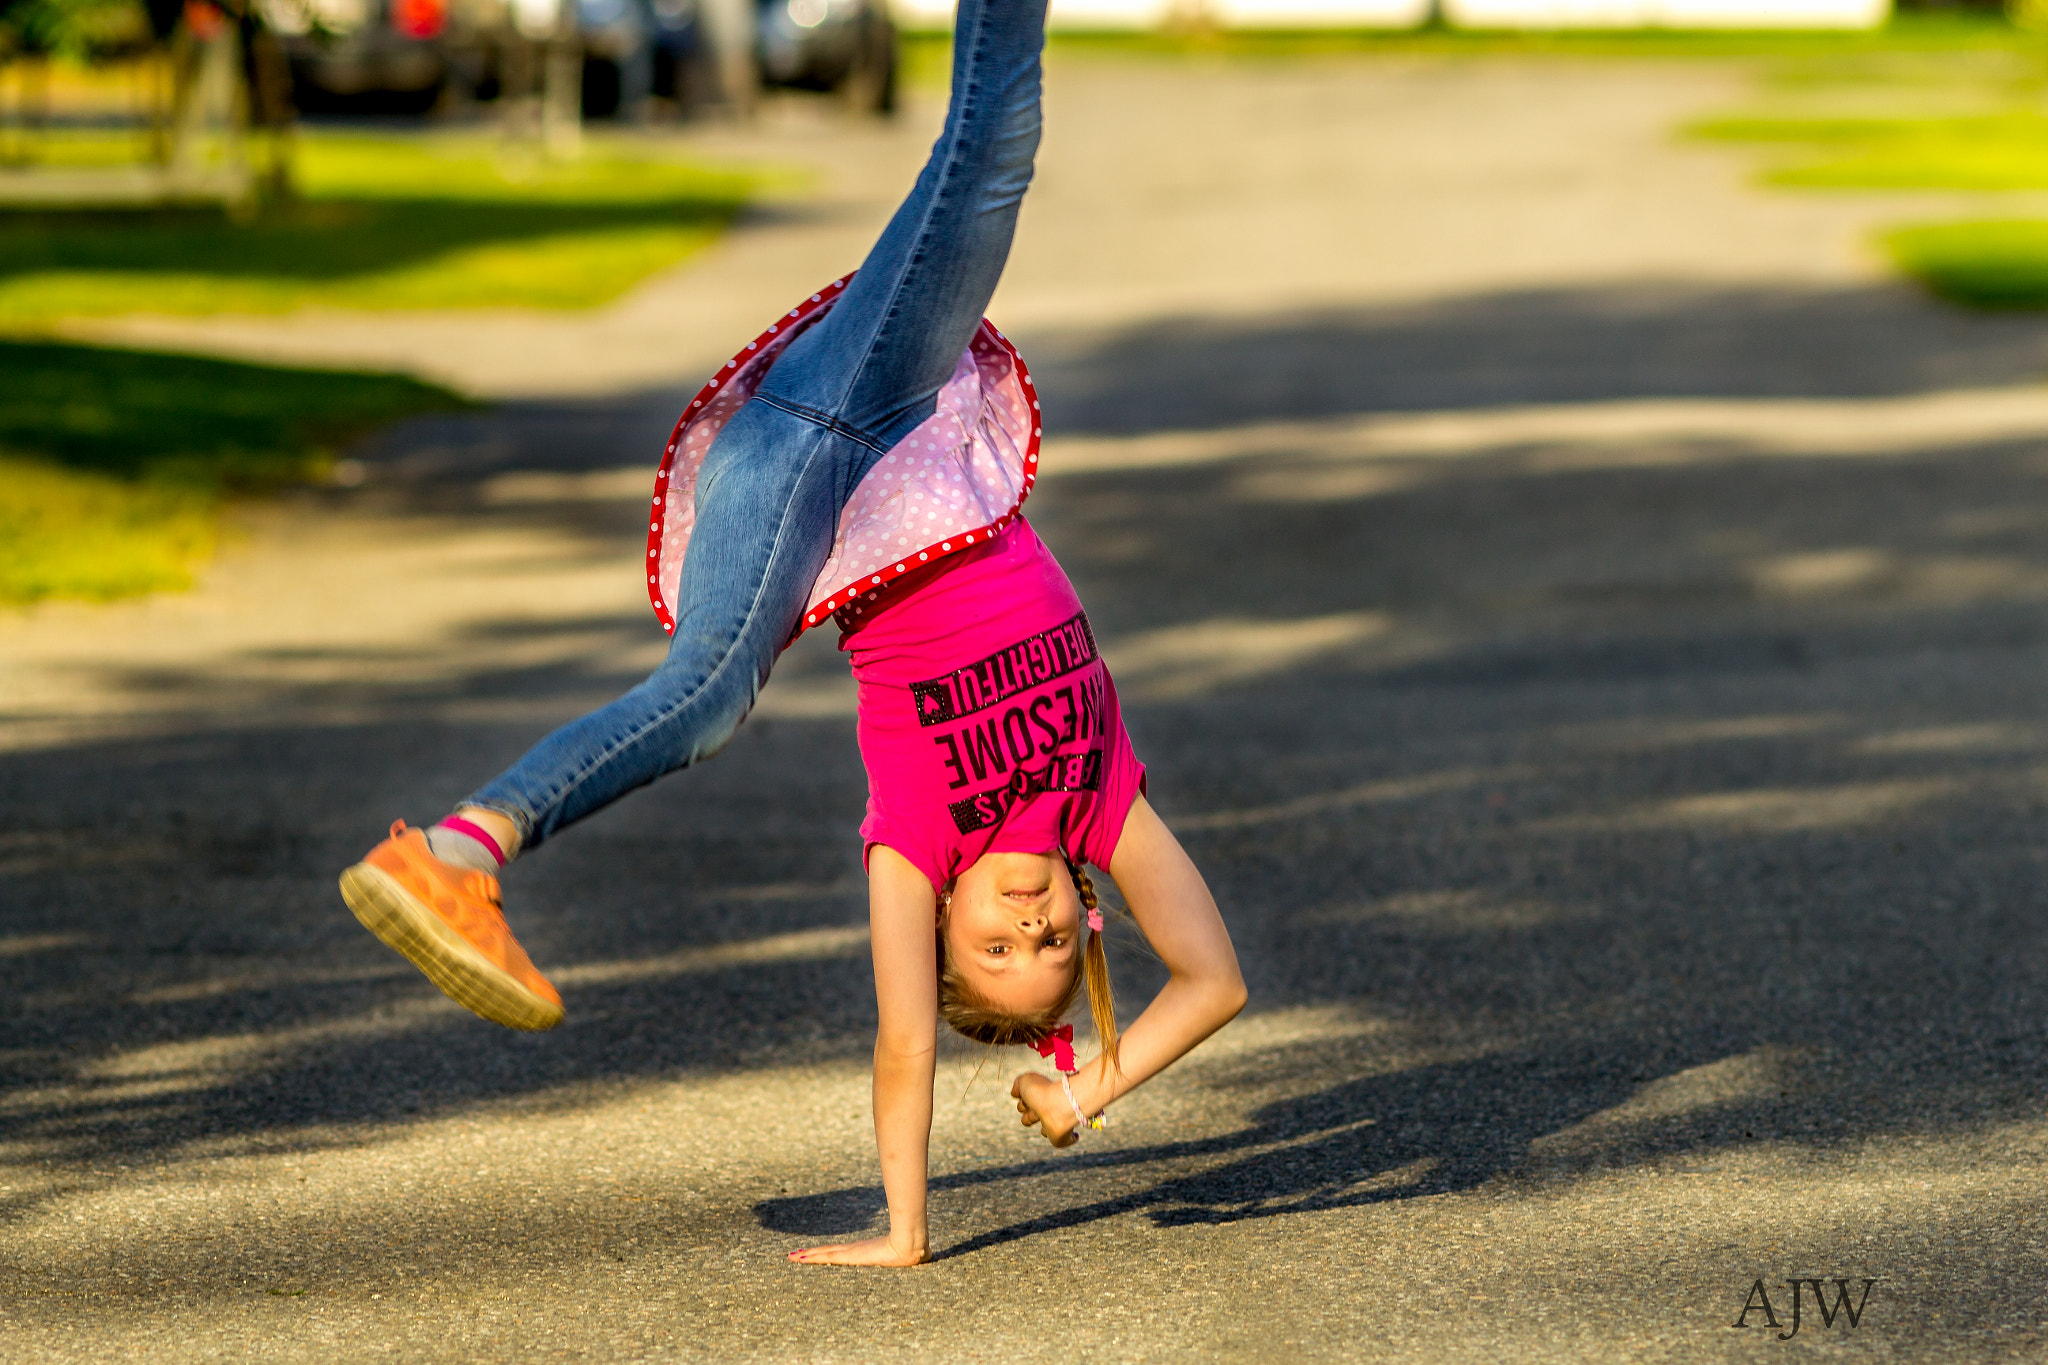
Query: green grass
x=72, y=148
x=2007, y=150
x=1985, y=132
x=70, y=534
x=382, y=223
x=1985, y=264
x=113, y=463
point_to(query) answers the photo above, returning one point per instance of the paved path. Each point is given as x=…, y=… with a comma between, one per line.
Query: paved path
x=1588, y=625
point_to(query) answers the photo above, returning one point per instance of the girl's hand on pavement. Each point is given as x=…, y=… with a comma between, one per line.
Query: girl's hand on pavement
x=874, y=1251
x=1042, y=1102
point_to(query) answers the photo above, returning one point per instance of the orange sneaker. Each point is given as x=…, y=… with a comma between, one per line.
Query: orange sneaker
x=447, y=920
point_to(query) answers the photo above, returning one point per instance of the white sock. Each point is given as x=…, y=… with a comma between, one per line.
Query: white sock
x=457, y=849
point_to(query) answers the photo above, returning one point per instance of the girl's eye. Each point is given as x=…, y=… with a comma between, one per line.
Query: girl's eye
x=998, y=949
x=1057, y=940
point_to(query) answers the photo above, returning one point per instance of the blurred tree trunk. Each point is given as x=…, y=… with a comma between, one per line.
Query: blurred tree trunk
x=268, y=77
x=209, y=104
x=230, y=119
x=542, y=76
x=729, y=31
x=561, y=101
x=518, y=83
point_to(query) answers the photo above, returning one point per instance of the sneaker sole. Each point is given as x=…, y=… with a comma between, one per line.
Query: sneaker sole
x=450, y=961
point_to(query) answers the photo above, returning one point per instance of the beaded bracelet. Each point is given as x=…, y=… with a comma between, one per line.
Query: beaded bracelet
x=1098, y=1123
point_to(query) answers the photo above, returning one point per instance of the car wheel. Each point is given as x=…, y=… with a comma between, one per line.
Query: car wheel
x=603, y=87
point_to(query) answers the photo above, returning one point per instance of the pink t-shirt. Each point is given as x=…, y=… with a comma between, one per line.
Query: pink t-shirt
x=987, y=720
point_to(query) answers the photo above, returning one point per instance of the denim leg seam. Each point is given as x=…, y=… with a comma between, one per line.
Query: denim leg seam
x=804, y=413
x=667, y=713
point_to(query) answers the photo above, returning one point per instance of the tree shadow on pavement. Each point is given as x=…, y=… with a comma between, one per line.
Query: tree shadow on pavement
x=1565, y=345
x=1589, y=776
x=1520, y=1120
x=1423, y=1131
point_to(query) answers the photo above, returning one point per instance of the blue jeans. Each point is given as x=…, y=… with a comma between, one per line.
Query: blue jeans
x=773, y=484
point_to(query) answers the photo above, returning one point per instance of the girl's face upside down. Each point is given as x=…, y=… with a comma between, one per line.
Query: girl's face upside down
x=1013, y=930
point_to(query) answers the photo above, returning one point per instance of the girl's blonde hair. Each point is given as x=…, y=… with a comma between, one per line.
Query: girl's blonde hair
x=970, y=1015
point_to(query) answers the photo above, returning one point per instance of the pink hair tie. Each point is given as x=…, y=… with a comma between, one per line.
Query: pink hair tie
x=1095, y=921
x=1059, y=1045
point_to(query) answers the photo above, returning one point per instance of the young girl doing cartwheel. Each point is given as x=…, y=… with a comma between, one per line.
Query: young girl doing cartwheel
x=864, y=459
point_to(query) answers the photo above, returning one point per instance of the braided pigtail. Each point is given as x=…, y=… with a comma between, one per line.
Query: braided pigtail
x=1095, y=967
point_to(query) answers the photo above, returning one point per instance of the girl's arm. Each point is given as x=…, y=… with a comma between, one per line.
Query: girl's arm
x=1173, y=907
x=902, y=917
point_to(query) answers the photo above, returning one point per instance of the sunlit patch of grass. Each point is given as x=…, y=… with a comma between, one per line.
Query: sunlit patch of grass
x=113, y=463
x=562, y=270
x=76, y=148
x=381, y=223
x=66, y=533
x=2000, y=151
x=334, y=165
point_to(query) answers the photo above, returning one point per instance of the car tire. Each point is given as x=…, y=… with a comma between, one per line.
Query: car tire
x=603, y=87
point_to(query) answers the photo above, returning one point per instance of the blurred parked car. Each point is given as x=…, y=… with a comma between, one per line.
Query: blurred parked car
x=678, y=40
x=407, y=56
x=847, y=46
x=843, y=45
x=618, y=55
x=392, y=56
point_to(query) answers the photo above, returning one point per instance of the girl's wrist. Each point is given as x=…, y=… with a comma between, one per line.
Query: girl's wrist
x=1092, y=1090
x=1085, y=1116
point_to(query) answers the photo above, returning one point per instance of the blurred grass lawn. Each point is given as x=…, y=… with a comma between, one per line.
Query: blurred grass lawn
x=426, y=221
x=2006, y=150
x=113, y=463
x=1996, y=141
